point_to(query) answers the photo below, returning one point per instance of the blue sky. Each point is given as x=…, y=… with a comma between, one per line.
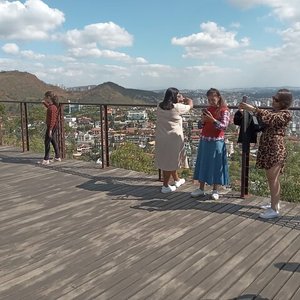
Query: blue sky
x=191, y=44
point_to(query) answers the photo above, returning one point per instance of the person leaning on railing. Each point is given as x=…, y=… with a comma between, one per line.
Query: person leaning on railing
x=271, y=153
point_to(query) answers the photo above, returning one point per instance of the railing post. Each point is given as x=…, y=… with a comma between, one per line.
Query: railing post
x=61, y=131
x=102, y=137
x=24, y=126
x=245, y=174
x=106, y=135
x=245, y=156
x=1, y=134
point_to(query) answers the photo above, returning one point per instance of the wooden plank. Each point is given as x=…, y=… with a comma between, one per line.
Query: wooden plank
x=245, y=265
x=263, y=283
x=288, y=279
x=143, y=279
x=74, y=230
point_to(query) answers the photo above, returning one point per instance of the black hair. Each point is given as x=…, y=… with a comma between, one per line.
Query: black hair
x=169, y=99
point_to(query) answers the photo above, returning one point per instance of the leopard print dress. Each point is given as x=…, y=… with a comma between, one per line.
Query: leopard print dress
x=271, y=149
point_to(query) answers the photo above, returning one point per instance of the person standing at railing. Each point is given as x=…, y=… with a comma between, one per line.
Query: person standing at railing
x=50, y=101
x=211, y=165
x=170, y=152
x=272, y=153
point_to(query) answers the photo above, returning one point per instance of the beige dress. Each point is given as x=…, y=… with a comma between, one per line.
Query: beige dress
x=169, y=141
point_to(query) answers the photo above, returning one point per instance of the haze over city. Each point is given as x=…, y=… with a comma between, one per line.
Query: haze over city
x=154, y=44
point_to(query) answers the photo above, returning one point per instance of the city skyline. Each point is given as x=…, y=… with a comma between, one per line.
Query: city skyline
x=153, y=45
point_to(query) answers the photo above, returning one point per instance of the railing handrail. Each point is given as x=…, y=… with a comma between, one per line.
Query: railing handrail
x=104, y=127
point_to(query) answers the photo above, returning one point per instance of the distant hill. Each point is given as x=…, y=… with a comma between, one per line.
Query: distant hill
x=23, y=86
x=112, y=93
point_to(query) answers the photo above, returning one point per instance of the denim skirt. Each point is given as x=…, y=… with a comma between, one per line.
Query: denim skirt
x=211, y=164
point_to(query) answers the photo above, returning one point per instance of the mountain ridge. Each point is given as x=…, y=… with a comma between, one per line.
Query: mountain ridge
x=23, y=86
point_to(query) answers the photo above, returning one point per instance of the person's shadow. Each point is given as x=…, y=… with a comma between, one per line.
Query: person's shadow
x=288, y=266
x=249, y=297
x=18, y=160
x=150, y=199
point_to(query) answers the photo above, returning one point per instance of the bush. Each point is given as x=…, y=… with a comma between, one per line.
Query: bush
x=132, y=157
x=258, y=185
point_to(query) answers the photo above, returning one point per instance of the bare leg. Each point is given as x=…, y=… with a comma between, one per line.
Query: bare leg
x=215, y=187
x=274, y=185
x=175, y=175
x=166, y=177
x=202, y=184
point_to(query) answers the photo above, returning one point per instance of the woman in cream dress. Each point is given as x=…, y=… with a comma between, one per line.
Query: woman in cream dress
x=169, y=141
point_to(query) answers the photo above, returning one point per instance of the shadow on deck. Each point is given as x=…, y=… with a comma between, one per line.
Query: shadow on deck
x=73, y=231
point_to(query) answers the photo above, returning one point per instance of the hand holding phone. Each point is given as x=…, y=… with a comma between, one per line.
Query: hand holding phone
x=204, y=111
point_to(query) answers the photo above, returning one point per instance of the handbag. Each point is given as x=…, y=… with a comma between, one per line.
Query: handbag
x=258, y=124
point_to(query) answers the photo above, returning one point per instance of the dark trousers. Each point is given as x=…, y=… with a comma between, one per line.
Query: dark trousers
x=50, y=140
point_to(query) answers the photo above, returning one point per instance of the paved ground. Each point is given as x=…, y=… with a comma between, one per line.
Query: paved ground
x=74, y=231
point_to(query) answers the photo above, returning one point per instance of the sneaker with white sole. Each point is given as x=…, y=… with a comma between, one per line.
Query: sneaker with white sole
x=197, y=193
x=268, y=205
x=269, y=214
x=58, y=159
x=179, y=182
x=215, y=195
x=44, y=162
x=168, y=189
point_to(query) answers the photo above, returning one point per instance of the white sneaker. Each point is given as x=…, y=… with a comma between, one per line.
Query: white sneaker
x=268, y=205
x=44, y=162
x=269, y=214
x=168, y=189
x=179, y=182
x=197, y=193
x=215, y=195
x=56, y=159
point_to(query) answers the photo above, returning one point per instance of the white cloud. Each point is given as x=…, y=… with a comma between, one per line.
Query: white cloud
x=211, y=69
x=288, y=10
x=11, y=48
x=213, y=40
x=104, y=35
x=291, y=35
x=33, y=20
x=31, y=55
x=106, y=54
x=235, y=25
x=98, y=41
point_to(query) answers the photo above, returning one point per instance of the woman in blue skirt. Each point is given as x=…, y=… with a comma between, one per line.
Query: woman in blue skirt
x=211, y=166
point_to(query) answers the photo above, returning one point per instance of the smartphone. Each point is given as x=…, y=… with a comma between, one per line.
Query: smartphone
x=244, y=99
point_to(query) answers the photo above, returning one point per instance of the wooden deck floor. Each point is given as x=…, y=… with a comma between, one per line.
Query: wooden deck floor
x=74, y=231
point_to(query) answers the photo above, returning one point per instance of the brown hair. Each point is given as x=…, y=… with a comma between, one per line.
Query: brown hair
x=53, y=97
x=221, y=103
x=285, y=98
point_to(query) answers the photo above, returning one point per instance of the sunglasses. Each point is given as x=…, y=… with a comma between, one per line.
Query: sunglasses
x=275, y=98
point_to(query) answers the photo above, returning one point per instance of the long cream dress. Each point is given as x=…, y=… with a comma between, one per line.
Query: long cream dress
x=169, y=140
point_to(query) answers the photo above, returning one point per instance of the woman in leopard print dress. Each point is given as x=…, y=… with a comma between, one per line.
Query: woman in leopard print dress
x=271, y=153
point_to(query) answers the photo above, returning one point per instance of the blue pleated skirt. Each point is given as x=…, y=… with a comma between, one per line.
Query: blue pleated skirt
x=211, y=164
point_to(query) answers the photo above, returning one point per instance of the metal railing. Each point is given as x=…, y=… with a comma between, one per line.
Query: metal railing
x=104, y=136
